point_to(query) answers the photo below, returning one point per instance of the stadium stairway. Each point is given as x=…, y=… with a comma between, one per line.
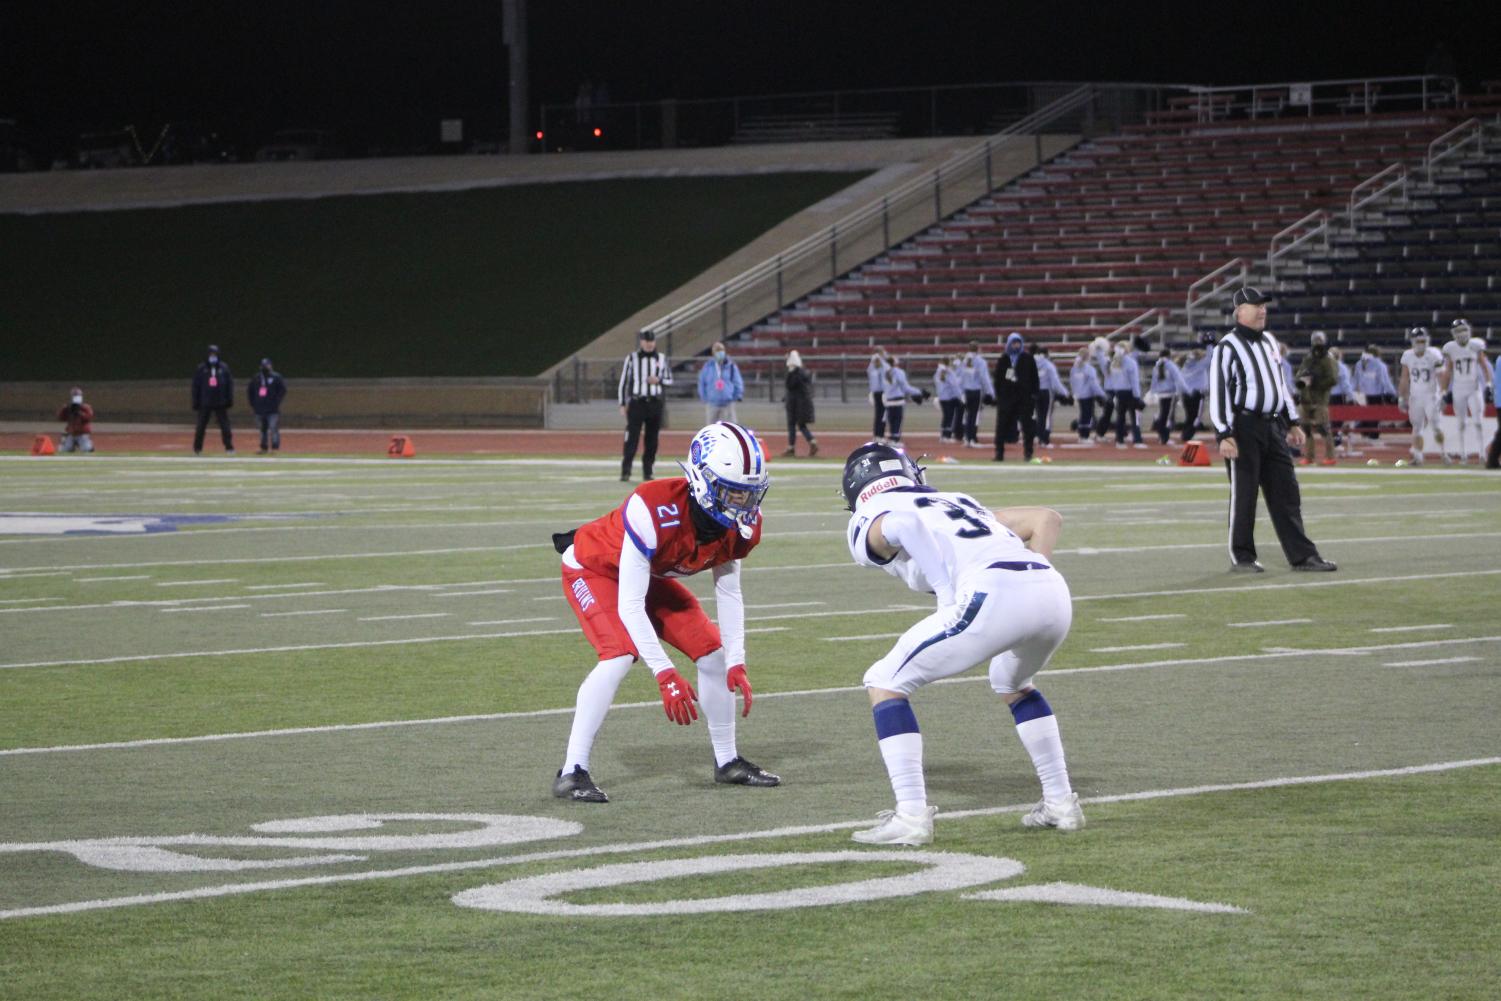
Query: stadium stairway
x=1087, y=242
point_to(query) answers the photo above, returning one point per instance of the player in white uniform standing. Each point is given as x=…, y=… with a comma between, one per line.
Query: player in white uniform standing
x=999, y=600
x=1469, y=372
x=1420, y=391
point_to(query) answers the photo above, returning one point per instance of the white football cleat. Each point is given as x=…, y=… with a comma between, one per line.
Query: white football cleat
x=1063, y=814
x=899, y=829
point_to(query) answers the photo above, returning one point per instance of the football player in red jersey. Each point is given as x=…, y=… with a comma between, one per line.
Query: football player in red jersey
x=618, y=575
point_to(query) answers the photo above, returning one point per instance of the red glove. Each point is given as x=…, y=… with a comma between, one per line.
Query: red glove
x=677, y=697
x=736, y=679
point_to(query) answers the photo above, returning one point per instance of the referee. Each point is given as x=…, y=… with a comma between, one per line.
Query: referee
x=1251, y=408
x=642, y=376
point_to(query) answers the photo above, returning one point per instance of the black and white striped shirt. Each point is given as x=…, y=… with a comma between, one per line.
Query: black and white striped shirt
x=1245, y=377
x=638, y=367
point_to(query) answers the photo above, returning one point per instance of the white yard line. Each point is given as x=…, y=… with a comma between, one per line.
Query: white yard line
x=1138, y=646
x=512, y=622
x=466, y=594
x=1283, y=653
x=234, y=889
x=25, y=601
x=1412, y=629
x=395, y=618
x=197, y=583
x=862, y=636
x=315, y=611
x=1146, y=618
x=283, y=587
x=196, y=608
x=1430, y=663
x=1268, y=622
x=91, y=580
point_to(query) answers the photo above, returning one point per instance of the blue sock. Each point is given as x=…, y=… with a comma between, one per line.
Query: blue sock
x=892, y=717
x=900, y=743
x=1029, y=707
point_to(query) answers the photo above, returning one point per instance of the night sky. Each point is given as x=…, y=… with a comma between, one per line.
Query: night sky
x=373, y=69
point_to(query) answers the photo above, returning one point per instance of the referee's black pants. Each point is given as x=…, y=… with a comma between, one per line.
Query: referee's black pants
x=643, y=412
x=1265, y=463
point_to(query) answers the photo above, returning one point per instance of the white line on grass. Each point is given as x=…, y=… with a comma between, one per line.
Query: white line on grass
x=91, y=580
x=1412, y=629
x=799, y=693
x=283, y=587
x=1268, y=622
x=466, y=594
x=394, y=618
x=1430, y=663
x=1146, y=618
x=197, y=583
x=1138, y=646
x=25, y=601
x=234, y=889
x=512, y=622
x=315, y=611
x=196, y=608
x=862, y=636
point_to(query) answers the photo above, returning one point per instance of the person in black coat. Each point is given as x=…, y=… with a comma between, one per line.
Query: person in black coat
x=799, y=404
x=1016, y=386
x=265, y=393
x=213, y=394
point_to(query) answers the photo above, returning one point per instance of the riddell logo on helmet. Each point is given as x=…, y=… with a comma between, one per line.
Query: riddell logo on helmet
x=881, y=486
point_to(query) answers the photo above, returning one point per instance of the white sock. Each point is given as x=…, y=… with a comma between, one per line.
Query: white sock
x=594, y=698
x=1040, y=738
x=717, y=703
x=903, y=755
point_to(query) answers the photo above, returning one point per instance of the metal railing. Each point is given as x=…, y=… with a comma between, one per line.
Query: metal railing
x=1139, y=326
x=1378, y=185
x=1462, y=135
x=1311, y=226
x=1217, y=282
x=1354, y=95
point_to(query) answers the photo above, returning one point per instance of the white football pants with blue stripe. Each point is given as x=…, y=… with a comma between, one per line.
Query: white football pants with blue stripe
x=1015, y=619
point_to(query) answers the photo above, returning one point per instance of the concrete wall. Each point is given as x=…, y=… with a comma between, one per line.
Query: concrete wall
x=341, y=403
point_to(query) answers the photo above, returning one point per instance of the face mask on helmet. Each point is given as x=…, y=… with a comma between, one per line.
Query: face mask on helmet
x=727, y=475
x=873, y=469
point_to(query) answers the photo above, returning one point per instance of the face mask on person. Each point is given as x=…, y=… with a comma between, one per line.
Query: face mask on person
x=77, y=398
x=719, y=356
x=213, y=359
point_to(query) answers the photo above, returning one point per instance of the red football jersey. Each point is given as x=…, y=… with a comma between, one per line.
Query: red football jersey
x=677, y=552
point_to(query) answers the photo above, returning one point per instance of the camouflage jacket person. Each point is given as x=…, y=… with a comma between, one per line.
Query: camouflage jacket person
x=1316, y=377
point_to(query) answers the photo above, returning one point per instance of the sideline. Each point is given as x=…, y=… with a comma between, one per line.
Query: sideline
x=234, y=889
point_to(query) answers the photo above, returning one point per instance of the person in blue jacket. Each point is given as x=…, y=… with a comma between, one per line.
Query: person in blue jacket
x=213, y=395
x=1050, y=390
x=265, y=393
x=1084, y=383
x=975, y=381
x=720, y=386
x=1343, y=394
x=896, y=390
x=1196, y=379
x=950, y=391
x=1373, y=380
x=1168, y=384
x=875, y=375
x=1123, y=386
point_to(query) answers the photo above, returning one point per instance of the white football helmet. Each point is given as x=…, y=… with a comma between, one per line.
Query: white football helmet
x=1461, y=330
x=727, y=475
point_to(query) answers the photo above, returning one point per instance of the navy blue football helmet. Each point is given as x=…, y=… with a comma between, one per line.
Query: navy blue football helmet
x=873, y=468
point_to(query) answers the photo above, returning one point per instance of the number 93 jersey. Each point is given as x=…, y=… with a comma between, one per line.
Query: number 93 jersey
x=960, y=537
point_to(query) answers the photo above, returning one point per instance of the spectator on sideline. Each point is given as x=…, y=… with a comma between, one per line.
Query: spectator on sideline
x=1123, y=384
x=1343, y=393
x=896, y=390
x=799, y=404
x=720, y=386
x=1016, y=387
x=1196, y=379
x=265, y=393
x=213, y=395
x=1100, y=355
x=974, y=379
x=1084, y=382
x=1050, y=390
x=949, y=388
x=643, y=377
x=1317, y=375
x=1168, y=384
x=1373, y=381
x=875, y=375
x=78, y=418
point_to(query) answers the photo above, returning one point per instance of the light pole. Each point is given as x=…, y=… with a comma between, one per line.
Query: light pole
x=513, y=26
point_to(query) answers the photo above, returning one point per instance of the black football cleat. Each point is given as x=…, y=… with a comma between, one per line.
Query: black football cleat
x=578, y=786
x=1315, y=564
x=740, y=772
x=1247, y=566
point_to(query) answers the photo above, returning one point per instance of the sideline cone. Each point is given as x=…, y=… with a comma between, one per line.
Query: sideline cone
x=42, y=445
x=401, y=447
x=1194, y=454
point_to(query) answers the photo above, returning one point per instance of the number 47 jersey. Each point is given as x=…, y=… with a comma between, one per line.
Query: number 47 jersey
x=945, y=537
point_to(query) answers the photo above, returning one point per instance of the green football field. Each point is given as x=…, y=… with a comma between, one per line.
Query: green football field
x=286, y=729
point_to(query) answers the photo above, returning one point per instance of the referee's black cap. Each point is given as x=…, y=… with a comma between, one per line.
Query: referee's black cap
x=1248, y=295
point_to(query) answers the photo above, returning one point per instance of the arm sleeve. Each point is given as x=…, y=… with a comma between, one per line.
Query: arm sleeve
x=703, y=383
x=1219, y=390
x=737, y=382
x=907, y=530
x=666, y=375
x=625, y=377
x=729, y=610
x=635, y=577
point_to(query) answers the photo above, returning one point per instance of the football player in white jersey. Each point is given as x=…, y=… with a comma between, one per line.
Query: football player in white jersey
x=1469, y=372
x=999, y=601
x=1420, y=391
